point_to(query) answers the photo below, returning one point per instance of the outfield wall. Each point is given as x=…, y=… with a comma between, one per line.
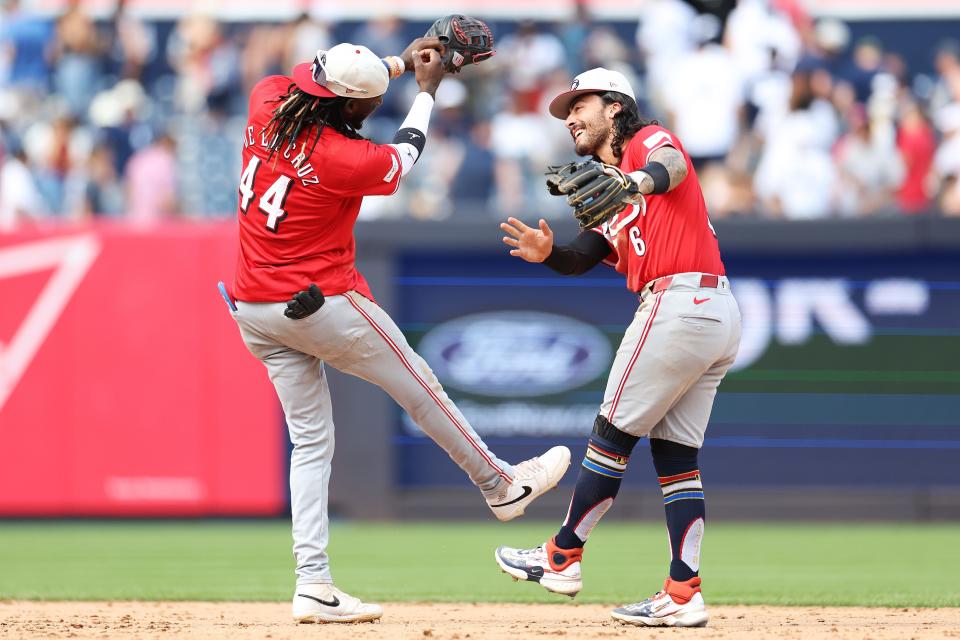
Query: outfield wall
x=126, y=391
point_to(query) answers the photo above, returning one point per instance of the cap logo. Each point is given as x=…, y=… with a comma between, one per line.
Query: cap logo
x=576, y=83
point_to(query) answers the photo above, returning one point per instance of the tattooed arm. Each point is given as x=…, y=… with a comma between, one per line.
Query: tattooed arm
x=671, y=171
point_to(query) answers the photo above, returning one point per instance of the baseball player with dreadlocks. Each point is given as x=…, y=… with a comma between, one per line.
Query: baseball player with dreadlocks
x=643, y=213
x=300, y=302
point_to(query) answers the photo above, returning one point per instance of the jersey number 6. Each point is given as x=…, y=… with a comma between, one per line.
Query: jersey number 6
x=639, y=246
x=271, y=202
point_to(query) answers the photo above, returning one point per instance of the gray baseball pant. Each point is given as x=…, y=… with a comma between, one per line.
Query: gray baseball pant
x=354, y=335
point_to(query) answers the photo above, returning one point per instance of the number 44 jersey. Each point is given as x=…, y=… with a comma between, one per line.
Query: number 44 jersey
x=672, y=234
x=297, y=209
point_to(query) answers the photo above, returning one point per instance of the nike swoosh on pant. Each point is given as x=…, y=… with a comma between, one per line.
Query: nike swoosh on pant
x=526, y=491
x=334, y=603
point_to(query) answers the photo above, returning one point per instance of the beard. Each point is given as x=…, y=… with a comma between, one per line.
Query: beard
x=590, y=141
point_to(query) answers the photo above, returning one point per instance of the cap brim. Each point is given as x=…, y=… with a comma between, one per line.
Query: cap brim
x=303, y=77
x=560, y=106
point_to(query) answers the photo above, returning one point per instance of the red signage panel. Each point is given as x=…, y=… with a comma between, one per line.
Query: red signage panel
x=124, y=386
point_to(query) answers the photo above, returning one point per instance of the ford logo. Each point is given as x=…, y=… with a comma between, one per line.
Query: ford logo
x=515, y=353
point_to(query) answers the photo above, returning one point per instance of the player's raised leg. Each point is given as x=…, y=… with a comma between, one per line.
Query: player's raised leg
x=394, y=366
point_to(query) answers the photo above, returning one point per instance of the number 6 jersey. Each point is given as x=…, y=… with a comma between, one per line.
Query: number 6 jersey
x=673, y=234
x=296, y=212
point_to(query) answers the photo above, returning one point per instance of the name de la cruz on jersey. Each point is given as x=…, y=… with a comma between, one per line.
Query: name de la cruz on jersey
x=305, y=170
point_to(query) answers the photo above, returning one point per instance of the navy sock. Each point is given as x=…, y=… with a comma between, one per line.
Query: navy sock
x=598, y=483
x=683, y=502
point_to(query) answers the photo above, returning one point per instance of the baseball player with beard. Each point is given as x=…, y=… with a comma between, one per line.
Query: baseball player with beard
x=643, y=213
x=300, y=302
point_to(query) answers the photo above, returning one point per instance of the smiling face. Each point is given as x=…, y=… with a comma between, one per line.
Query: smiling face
x=590, y=123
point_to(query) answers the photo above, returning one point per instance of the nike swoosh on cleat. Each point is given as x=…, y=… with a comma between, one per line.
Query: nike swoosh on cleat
x=334, y=603
x=699, y=300
x=526, y=491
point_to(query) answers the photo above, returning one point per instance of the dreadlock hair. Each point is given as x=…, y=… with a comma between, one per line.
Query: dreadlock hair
x=627, y=122
x=299, y=112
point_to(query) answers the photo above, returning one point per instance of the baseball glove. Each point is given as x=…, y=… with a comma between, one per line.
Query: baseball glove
x=466, y=41
x=596, y=191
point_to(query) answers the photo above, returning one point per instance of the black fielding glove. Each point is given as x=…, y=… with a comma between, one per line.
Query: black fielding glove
x=304, y=303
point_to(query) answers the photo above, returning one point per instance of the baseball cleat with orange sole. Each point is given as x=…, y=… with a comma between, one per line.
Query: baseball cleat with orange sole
x=555, y=569
x=679, y=604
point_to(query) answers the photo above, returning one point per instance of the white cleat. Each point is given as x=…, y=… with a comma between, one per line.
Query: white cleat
x=320, y=603
x=684, y=608
x=555, y=569
x=532, y=478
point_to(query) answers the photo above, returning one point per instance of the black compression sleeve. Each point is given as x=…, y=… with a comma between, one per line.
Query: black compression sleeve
x=585, y=252
x=411, y=136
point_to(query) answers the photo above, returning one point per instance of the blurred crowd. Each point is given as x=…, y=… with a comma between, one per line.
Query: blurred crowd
x=785, y=116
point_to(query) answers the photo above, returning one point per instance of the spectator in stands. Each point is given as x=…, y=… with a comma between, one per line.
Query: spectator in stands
x=604, y=48
x=307, y=34
x=867, y=62
x=795, y=177
x=151, y=183
x=573, y=35
x=947, y=64
x=19, y=197
x=541, y=53
x=916, y=143
x=94, y=190
x=705, y=97
x=663, y=35
x=191, y=50
x=517, y=135
x=870, y=168
x=947, y=160
x=132, y=43
x=472, y=186
x=54, y=149
x=78, y=59
x=755, y=31
x=24, y=38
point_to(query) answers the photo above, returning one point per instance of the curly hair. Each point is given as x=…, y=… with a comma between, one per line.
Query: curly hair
x=298, y=112
x=627, y=122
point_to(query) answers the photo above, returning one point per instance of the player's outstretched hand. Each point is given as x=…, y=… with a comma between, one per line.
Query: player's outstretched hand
x=426, y=64
x=533, y=245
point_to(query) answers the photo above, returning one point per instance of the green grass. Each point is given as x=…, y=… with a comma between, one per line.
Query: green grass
x=797, y=564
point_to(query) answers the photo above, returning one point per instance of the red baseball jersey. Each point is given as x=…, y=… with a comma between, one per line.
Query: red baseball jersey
x=674, y=235
x=296, y=213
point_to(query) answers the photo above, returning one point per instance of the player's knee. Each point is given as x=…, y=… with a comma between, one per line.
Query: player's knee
x=671, y=458
x=606, y=430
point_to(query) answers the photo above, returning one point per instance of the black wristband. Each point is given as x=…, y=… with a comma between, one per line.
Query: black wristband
x=411, y=136
x=660, y=176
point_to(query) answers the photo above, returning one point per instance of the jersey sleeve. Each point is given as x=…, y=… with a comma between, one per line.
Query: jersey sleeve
x=375, y=170
x=648, y=140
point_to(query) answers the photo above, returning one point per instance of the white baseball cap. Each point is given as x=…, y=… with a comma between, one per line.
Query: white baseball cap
x=346, y=70
x=597, y=80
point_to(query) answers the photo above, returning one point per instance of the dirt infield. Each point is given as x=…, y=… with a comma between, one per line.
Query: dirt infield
x=171, y=620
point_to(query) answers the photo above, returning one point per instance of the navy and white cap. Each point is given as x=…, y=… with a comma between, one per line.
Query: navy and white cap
x=597, y=80
x=347, y=70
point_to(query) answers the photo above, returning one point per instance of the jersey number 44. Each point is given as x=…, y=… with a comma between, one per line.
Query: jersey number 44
x=271, y=202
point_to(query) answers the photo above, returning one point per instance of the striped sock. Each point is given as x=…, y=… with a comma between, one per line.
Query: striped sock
x=601, y=471
x=683, y=504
